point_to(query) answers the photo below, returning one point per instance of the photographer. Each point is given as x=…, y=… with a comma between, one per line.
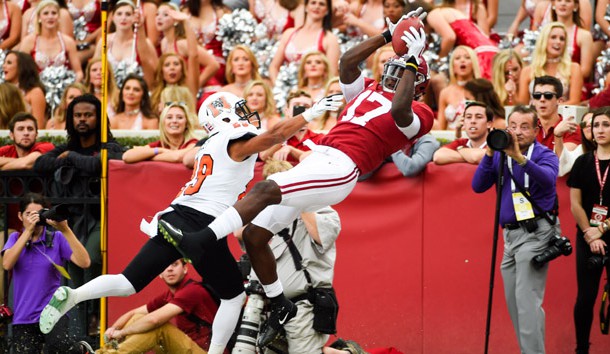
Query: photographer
x=35, y=256
x=590, y=198
x=527, y=232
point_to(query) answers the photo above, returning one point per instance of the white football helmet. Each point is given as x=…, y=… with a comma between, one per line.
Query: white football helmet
x=224, y=110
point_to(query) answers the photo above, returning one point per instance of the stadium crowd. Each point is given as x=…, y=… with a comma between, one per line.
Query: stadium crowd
x=166, y=58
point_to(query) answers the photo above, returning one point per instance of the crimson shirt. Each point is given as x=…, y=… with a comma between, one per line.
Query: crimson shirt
x=548, y=139
x=11, y=150
x=299, y=144
x=193, y=299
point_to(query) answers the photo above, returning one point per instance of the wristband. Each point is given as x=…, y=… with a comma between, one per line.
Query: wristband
x=387, y=36
x=156, y=150
x=411, y=67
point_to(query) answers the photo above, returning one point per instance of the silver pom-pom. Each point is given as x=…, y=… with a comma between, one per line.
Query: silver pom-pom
x=264, y=50
x=346, y=41
x=55, y=80
x=435, y=62
x=237, y=27
x=80, y=28
x=602, y=67
x=2, y=57
x=508, y=41
x=287, y=79
x=529, y=44
x=124, y=68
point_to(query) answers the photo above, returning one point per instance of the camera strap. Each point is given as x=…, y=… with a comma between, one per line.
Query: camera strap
x=545, y=214
x=294, y=251
x=604, y=311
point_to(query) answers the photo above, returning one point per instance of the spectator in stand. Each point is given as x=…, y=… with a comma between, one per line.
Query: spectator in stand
x=313, y=74
x=20, y=69
x=551, y=57
x=48, y=46
x=30, y=18
x=580, y=40
x=567, y=158
x=176, y=130
x=87, y=19
x=555, y=133
x=602, y=98
x=80, y=156
x=382, y=55
x=314, y=34
x=601, y=37
x=134, y=111
x=11, y=103
x=34, y=256
x=455, y=28
x=10, y=17
x=393, y=9
x=23, y=152
x=463, y=66
x=474, y=10
x=505, y=73
x=482, y=90
x=365, y=17
x=295, y=148
x=527, y=9
x=93, y=82
x=129, y=52
x=542, y=13
x=204, y=22
x=179, y=38
x=276, y=16
x=477, y=121
x=186, y=303
x=242, y=68
x=411, y=160
x=148, y=9
x=329, y=119
x=259, y=98
x=58, y=122
x=180, y=94
x=587, y=196
x=172, y=71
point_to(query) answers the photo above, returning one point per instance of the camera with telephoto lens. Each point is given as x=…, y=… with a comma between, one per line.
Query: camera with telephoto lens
x=558, y=245
x=597, y=261
x=499, y=139
x=59, y=212
x=251, y=319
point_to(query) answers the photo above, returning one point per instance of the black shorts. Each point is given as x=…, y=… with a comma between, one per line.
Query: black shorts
x=217, y=266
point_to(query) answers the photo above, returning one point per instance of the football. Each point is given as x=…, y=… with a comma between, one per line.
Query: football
x=400, y=47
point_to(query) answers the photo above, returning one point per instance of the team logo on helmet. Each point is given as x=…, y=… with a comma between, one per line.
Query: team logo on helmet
x=225, y=110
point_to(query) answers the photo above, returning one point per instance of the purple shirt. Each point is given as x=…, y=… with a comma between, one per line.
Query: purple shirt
x=34, y=277
x=542, y=168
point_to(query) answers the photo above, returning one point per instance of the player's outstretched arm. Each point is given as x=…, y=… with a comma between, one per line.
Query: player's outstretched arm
x=283, y=130
x=403, y=99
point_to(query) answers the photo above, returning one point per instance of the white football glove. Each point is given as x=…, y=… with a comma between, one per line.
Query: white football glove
x=328, y=103
x=415, y=13
x=416, y=42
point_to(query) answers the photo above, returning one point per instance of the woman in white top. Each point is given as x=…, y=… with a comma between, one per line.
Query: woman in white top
x=10, y=24
x=463, y=66
x=129, y=50
x=48, y=46
x=134, y=111
x=28, y=23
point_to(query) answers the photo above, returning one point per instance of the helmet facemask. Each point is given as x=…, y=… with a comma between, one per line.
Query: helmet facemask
x=393, y=70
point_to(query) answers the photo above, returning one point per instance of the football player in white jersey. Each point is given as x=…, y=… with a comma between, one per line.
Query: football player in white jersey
x=224, y=166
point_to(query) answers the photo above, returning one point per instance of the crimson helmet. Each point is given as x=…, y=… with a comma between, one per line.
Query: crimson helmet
x=393, y=70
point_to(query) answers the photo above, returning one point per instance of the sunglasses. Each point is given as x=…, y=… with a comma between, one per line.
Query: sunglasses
x=547, y=95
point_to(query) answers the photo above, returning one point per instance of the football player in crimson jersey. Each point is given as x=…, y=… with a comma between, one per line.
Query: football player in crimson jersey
x=379, y=119
x=224, y=165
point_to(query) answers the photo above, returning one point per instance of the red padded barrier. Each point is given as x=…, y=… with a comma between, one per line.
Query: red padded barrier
x=413, y=259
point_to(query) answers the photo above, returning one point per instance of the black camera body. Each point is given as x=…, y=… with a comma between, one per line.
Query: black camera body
x=59, y=212
x=558, y=245
x=499, y=139
x=597, y=261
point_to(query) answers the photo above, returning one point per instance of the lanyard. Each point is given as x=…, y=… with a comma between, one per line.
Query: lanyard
x=526, y=177
x=602, y=181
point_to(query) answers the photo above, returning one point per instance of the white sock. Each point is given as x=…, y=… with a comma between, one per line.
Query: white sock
x=274, y=289
x=103, y=286
x=225, y=322
x=226, y=223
